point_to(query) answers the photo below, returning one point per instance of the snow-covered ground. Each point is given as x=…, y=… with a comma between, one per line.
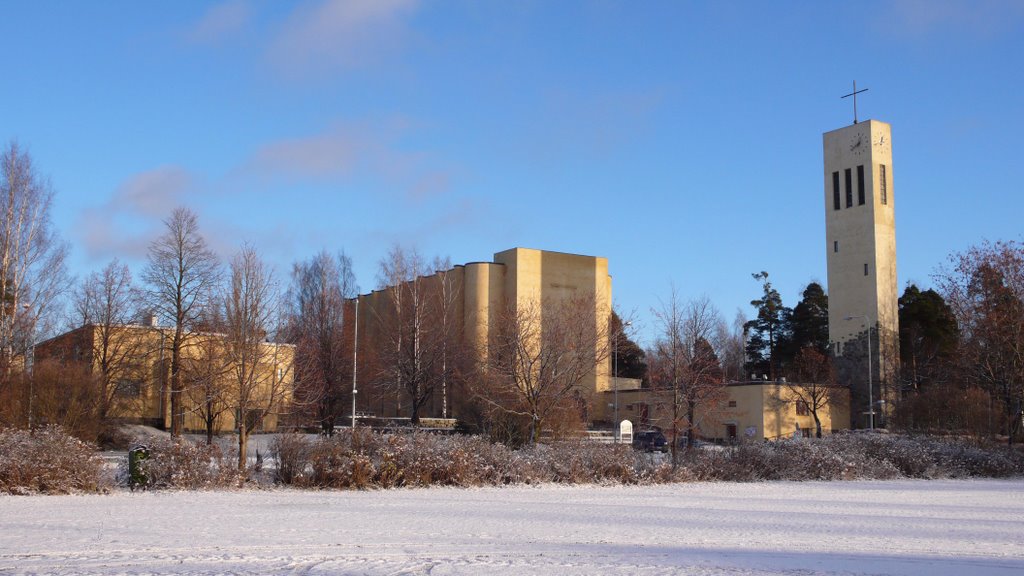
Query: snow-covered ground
x=935, y=528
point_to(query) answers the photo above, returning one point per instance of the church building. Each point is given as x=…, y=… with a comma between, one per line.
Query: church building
x=860, y=230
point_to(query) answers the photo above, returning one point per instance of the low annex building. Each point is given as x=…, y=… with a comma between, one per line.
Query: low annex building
x=138, y=365
x=752, y=410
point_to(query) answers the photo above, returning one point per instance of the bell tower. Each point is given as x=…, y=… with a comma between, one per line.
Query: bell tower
x=860, y=227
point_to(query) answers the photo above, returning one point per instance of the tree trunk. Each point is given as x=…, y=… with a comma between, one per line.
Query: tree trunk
x=690, y=409
x=176, y=423
x=243, y=442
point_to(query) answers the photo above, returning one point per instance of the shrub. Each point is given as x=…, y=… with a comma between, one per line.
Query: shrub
x=364, y=459
x=49, y=461
x=181, y=463
x=293, y=454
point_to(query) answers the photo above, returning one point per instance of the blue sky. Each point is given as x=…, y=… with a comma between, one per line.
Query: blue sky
x=682, y=140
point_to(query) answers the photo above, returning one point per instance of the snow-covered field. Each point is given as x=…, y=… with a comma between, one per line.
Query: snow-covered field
x=934, y=528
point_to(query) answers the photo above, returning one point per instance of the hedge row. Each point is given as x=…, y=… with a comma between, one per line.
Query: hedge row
x=50, y=461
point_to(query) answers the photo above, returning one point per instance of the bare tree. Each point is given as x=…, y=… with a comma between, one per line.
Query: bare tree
x=687, y=374
x=32, y=271
x=447, y=294
x=108, y=301
x=206, y=370
x=317, y=323
x=539, y=354
x=984, y=286
x=413, y=351
x=813, y=383
x=181, y=273
x=731, y=349
x=258, y=372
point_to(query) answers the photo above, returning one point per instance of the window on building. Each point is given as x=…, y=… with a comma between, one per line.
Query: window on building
x=838, y=349
x=732, y=403
x=883, y=185
x=835, y=245
x=801, y=408
x=128, y=389
x=865, y=269
x=849, y=187
x=860, y=185
x=835, y=190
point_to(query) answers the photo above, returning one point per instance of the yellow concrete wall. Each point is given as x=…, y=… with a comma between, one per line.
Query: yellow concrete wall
x=768, y=408
x=517, y=277
x=150, y=367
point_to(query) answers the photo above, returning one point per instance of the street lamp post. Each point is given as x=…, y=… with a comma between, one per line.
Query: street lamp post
x=30, y=361
x=355, y=356
x=615, y=381
x=871, y=398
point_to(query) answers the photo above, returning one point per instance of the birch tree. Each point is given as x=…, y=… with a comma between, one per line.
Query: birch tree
x=258, y=371
x=108, y=301
x=317, y=324
x=181, y=272
x=32, y=269
x=414, y=350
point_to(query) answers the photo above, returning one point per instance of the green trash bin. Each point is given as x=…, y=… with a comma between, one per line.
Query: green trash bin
x=137, y=477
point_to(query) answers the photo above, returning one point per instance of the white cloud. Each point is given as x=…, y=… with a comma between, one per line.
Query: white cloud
x=952, y=18
x=339, y=34
x=147, y=197
x=220, y=21
x=350, y=151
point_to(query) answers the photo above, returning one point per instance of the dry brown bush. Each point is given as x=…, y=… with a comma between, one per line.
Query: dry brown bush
x=49, y=461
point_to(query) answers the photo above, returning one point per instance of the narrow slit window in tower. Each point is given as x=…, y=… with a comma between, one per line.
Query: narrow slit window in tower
x=835, y=190
x=849, y=187
x=883, y=185
x=860, y=185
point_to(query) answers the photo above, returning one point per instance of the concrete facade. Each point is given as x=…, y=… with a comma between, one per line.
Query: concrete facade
x=860, y=235
x=480, y=292
x=755, y=410
x=142, y=393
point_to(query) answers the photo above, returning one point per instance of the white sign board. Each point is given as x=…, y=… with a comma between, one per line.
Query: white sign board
x=626, y=432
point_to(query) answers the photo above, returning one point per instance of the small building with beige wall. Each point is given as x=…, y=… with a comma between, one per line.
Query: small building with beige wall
x=141, y=393
x=754, y=410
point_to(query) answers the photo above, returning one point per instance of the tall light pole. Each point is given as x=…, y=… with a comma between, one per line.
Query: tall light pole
x=355, y=356
x=871, y=395
x=615, y=380
x=30, y=361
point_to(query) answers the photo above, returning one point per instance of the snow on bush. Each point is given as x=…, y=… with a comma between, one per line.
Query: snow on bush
x=49, y=461
x=368, y=459
x=853, y=456
x=181, y=463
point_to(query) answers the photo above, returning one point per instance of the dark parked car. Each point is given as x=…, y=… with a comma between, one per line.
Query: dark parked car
x=650, y=441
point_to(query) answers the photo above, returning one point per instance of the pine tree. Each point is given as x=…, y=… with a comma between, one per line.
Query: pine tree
x=768, y=333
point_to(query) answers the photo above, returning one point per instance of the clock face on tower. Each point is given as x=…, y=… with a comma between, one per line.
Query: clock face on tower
x=882, y=142
x=858, y=144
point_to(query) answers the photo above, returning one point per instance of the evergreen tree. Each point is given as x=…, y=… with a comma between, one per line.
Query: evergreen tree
x=809, y=323
x=630, y=360
x=768, y=333
x=928, y=337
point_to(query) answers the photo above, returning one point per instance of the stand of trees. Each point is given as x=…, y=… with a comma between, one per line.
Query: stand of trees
x=685, y=372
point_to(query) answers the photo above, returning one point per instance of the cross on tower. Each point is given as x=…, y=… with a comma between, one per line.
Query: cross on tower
x=854, y=94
